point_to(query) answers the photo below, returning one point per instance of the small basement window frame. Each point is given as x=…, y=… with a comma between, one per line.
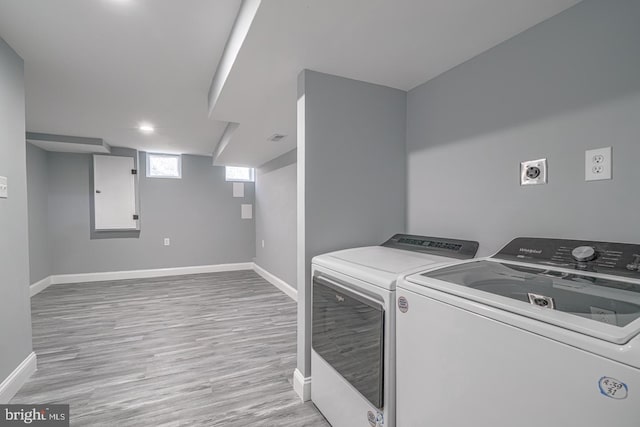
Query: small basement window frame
x=151, y=156
x=229, y=174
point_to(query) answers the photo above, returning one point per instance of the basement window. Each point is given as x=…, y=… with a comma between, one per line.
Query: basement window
x=242, y=174
x=164, y=166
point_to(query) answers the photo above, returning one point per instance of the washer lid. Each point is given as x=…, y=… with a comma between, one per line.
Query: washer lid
x=389, y=260
x=591, y=304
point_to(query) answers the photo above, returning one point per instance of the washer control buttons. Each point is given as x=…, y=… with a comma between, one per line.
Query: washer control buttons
x=584, y=253
x=635, y=264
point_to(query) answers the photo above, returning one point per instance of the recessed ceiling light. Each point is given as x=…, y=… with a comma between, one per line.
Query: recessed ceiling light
x=146, y=128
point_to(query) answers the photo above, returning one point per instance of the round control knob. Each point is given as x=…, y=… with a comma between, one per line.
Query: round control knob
x=584, y=253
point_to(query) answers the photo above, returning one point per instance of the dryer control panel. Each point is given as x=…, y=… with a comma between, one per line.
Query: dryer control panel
x=620, y=259
x=452, y=248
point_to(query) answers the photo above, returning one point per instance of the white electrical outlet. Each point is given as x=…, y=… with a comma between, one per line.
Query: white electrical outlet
x=597, y=164
x=533, y=172
x=167, y=241
x=4, y=189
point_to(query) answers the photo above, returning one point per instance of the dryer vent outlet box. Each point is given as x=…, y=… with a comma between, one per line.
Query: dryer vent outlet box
x=533, y=172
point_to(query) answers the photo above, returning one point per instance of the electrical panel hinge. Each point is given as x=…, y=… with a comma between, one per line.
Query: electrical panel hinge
x=136, y=216
x=134, y=171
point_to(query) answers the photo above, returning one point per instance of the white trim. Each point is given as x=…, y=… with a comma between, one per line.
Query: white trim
x=55, y=279
x=40, y=286
x=135, y=274
x=303, y=261
x=16, y=379
x=143, y=274
x=277, y=282
x=302, y=385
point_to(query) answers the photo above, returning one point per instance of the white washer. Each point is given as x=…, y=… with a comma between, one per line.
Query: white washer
x=545, y=333
x=353, y=344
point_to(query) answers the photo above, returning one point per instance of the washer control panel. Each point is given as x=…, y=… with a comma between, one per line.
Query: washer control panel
x=453, y=248
x=621, y=259
x=584, y=253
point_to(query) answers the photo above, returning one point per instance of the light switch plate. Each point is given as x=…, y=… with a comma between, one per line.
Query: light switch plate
x=598, y=164
x=4, y=190
x=533, y=172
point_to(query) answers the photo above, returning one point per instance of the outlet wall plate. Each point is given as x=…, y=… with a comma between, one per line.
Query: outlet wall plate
x=598, y=164
x=533, y=172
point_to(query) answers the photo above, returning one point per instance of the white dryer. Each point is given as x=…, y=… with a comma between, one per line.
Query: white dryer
x=544, y=333
x=353, y=322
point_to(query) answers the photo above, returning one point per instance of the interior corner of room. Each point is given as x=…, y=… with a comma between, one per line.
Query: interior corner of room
x=172, y=224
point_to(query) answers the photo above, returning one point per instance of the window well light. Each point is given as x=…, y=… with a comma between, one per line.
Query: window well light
x=164, y=165
x=234, y=173
x=146, y=128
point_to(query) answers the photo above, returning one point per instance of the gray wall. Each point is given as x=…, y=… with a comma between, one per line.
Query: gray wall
x=351, y=174
x=354, y=162
x=15, y=314
x=197, y=212
x=37, y=189
x=276, y=217
x=569, y=84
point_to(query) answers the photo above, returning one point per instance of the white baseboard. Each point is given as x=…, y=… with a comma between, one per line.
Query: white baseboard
x=55, y=279
x=135, y=274
x=12, y=384
x=277, y=282
x=144, y=274
x=40, y=286
x=302, y=385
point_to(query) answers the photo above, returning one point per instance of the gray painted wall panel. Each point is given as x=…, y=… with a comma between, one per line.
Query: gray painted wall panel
x=197, y=212
x=15, y=309
x=353, y=161
x=564, y=86
x=276, y=217
x=37, y=190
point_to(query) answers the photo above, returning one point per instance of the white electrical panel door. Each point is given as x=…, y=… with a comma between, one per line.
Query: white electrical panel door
x=114, y=193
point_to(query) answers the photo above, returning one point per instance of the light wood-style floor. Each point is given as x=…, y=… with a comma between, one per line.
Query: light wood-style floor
x=203, y=350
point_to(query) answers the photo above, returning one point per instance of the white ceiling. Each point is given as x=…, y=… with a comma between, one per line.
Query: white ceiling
x=96, y=68
x=396, y=43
